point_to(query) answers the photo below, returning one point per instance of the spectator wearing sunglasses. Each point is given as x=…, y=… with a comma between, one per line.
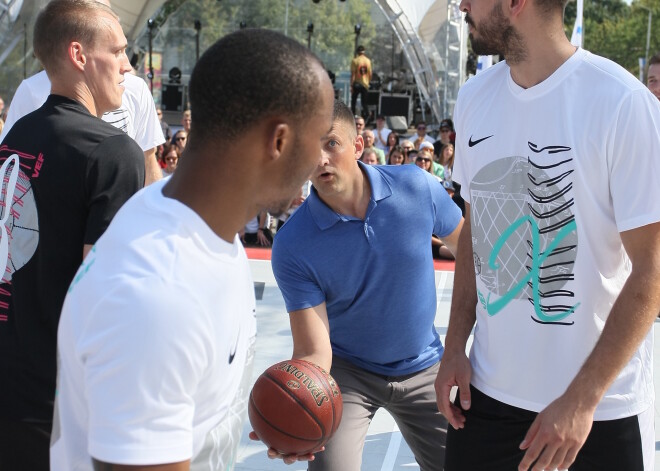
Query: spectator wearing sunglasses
x=421, y=135
x=424, y=160
x=436, y=168
x=180, y=138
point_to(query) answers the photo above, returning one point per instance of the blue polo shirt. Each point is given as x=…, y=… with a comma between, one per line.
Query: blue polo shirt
x=375, y=274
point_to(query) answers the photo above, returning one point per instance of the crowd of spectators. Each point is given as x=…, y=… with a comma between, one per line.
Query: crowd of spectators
x=385, y=146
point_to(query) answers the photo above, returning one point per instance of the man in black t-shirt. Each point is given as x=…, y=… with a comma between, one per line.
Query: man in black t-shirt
x=67, y=173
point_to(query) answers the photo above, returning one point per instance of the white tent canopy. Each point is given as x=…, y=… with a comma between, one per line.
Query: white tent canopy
x=18, y=16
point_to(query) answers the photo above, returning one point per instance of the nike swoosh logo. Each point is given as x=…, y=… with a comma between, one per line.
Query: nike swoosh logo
x=472, y=143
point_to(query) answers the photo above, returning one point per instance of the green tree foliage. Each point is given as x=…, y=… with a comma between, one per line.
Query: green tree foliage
x=616, y=30
x=332, y=39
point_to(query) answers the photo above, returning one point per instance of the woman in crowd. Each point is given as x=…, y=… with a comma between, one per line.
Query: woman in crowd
x=396, y=156
x=424, y=161
x=171, y=155
x=392, y=141
x=407, y=148
x=446, y=159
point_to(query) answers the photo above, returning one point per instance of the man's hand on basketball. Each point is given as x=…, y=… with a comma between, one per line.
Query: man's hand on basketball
x=556, y=435
x=455, y=370
x=273, y=454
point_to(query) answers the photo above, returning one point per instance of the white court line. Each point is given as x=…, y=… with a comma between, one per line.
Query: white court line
x=392, y=450
x=443, y=280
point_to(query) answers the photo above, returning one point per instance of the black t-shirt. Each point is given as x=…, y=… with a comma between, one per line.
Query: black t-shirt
x=75, y=173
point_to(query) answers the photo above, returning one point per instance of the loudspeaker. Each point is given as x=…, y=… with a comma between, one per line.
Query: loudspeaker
x=373, y=98
x=173, y=97
x=397, y=123
x=395, y=105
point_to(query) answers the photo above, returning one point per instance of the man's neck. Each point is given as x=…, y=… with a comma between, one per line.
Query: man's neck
x=76, y=92
x=544, y=55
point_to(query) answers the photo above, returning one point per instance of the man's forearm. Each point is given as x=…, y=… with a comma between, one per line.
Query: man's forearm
x=152, y=171
x=464, y=298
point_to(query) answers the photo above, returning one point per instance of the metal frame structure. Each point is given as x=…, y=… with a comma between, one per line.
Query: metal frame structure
x=438, y=64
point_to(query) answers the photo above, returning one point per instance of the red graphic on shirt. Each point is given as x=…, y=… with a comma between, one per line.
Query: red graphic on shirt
x=19, y=233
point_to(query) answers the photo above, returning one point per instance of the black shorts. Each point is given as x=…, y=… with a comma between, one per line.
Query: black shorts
x=493, y=432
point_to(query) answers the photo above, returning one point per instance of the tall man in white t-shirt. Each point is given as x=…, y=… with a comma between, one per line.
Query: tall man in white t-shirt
x=559, y=259
x=157, y=331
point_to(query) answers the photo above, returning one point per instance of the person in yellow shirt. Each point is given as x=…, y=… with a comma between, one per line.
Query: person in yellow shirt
x=360, y=78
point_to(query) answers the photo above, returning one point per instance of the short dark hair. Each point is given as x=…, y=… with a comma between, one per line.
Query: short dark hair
x=62, y=21
x=341, y=112
x=655, y=59
x=247, y=76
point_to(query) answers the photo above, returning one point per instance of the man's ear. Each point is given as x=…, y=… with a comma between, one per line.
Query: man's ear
x=279, y=137
x=76, y=55
x=359, y=146
x=516, y=6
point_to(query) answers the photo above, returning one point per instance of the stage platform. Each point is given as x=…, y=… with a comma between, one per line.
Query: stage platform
x=385, y=449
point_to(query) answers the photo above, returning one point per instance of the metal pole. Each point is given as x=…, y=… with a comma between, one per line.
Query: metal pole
x=648, y=40
x=310, y=31
x=286, y=19
x=198, y=28
x=25, y=38
x=357, y=29
x=150, y=27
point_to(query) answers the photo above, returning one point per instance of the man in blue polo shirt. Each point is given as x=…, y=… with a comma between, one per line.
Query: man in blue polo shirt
x=356, y=271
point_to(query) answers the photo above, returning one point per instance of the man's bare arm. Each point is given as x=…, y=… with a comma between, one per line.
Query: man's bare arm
x=152, y=171
x=455, y=367
x=311, y=335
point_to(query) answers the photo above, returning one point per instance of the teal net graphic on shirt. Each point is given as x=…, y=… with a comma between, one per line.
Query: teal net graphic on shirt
x=525, y=234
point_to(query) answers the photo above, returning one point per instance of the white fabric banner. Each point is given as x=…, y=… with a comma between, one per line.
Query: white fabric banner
x=483, y=62
x=576, y=38
x=415, y=10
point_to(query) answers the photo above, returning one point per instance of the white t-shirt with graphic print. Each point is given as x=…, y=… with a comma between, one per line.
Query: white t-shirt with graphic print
x=155, y=343
x=553, y=174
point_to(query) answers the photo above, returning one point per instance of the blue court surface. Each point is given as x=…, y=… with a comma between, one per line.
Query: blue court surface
x=385, y=449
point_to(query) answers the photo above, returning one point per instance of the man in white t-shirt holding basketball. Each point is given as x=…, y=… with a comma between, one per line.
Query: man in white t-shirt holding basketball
x=558, y=263
x=157, y=331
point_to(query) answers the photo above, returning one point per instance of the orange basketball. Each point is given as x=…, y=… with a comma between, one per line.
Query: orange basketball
x=295, y=407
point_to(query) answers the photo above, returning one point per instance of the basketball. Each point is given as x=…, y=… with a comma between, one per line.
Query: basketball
x=295, y=407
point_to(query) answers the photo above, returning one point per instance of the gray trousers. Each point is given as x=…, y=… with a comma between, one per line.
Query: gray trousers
x=411, y=401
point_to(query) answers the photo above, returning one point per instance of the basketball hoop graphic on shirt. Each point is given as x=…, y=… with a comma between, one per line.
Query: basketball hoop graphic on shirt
x=18, y=212
x=524, y=233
